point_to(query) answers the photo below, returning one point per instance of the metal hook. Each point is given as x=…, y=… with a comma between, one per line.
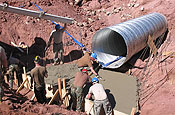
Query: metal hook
x=42, y=13
x=5, y=5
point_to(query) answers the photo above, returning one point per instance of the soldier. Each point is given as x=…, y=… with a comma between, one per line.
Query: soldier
x=14, y=66
x=87, y=60
x=3, y=68
x=81, y=78
x=100, y=96
x=38, y=74
x=56, y=35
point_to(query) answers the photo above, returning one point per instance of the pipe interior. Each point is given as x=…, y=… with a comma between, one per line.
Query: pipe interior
x=110, y=42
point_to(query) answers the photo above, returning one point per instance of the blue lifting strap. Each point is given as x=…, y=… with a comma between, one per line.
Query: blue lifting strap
x=81, y=45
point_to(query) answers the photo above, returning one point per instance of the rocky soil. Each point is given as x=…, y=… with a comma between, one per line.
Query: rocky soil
x=90, y=16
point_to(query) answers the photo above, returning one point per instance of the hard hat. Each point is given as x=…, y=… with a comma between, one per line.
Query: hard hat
x=94, y=55
x=95, y=80
x=84, y=71
x=57, y=26
x=37, y=59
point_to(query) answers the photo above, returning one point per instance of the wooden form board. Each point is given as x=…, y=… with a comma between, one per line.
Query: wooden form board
x=89, y=107
x=152, y=45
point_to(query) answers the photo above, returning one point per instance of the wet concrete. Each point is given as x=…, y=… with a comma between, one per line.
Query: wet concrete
x=121, y=89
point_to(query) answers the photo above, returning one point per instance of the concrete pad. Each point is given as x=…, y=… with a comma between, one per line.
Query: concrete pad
x=122, y=89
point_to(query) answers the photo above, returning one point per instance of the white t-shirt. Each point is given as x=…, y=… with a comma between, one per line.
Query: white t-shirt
x=98, y=91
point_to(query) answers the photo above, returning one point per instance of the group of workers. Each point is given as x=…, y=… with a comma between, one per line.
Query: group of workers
x=81, y=77
x=9, y=66
x=39, y=72
x=97, y=89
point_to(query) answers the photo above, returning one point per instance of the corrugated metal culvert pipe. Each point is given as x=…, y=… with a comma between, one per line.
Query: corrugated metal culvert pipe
x=116, y=44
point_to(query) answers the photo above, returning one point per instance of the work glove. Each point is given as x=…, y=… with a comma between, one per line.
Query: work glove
x=98, y=76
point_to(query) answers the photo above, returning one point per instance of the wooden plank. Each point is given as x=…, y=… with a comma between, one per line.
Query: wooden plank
x=152, y=45
x=169, y=54
x=89, y=107
x=15, y=77
x=64, y=84
x=64, y=96
x=58, y=91
x=33, y=97
x=5, y=78
x=133, y=111
x=54, y=96
x=59, y=88
x=17, y=47
x=25, y=75
x=22, y=85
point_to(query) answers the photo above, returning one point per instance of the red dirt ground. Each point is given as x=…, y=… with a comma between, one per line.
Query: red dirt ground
x=90, y=17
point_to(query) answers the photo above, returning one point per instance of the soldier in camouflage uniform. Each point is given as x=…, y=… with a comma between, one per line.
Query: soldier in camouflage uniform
x=14, y=67
x=3, y=68
x=77, y=89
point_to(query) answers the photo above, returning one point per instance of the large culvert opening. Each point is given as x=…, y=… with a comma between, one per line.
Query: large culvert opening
x=116, y=44
x=110, y=42
x=110, y=47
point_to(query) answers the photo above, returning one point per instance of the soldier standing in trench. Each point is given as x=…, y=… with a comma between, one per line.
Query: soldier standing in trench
x=14, y=66
x=38, y=74
x=100, y=96
x=81, y=78
x=56, y=35
x=3, y=68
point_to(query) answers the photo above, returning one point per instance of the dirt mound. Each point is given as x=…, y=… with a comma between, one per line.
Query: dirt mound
x=14, y=104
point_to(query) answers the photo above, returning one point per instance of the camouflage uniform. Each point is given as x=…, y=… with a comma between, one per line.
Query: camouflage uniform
x=3, y=62
x=12, y=68
x=77, y=95
x=77, y=89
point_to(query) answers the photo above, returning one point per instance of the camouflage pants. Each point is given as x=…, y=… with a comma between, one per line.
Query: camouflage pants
x=102, y=103
x=12, y=69
x=77, y=97
x=58, y=48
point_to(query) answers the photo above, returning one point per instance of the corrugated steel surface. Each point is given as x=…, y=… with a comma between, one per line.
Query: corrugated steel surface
x=127, y=38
